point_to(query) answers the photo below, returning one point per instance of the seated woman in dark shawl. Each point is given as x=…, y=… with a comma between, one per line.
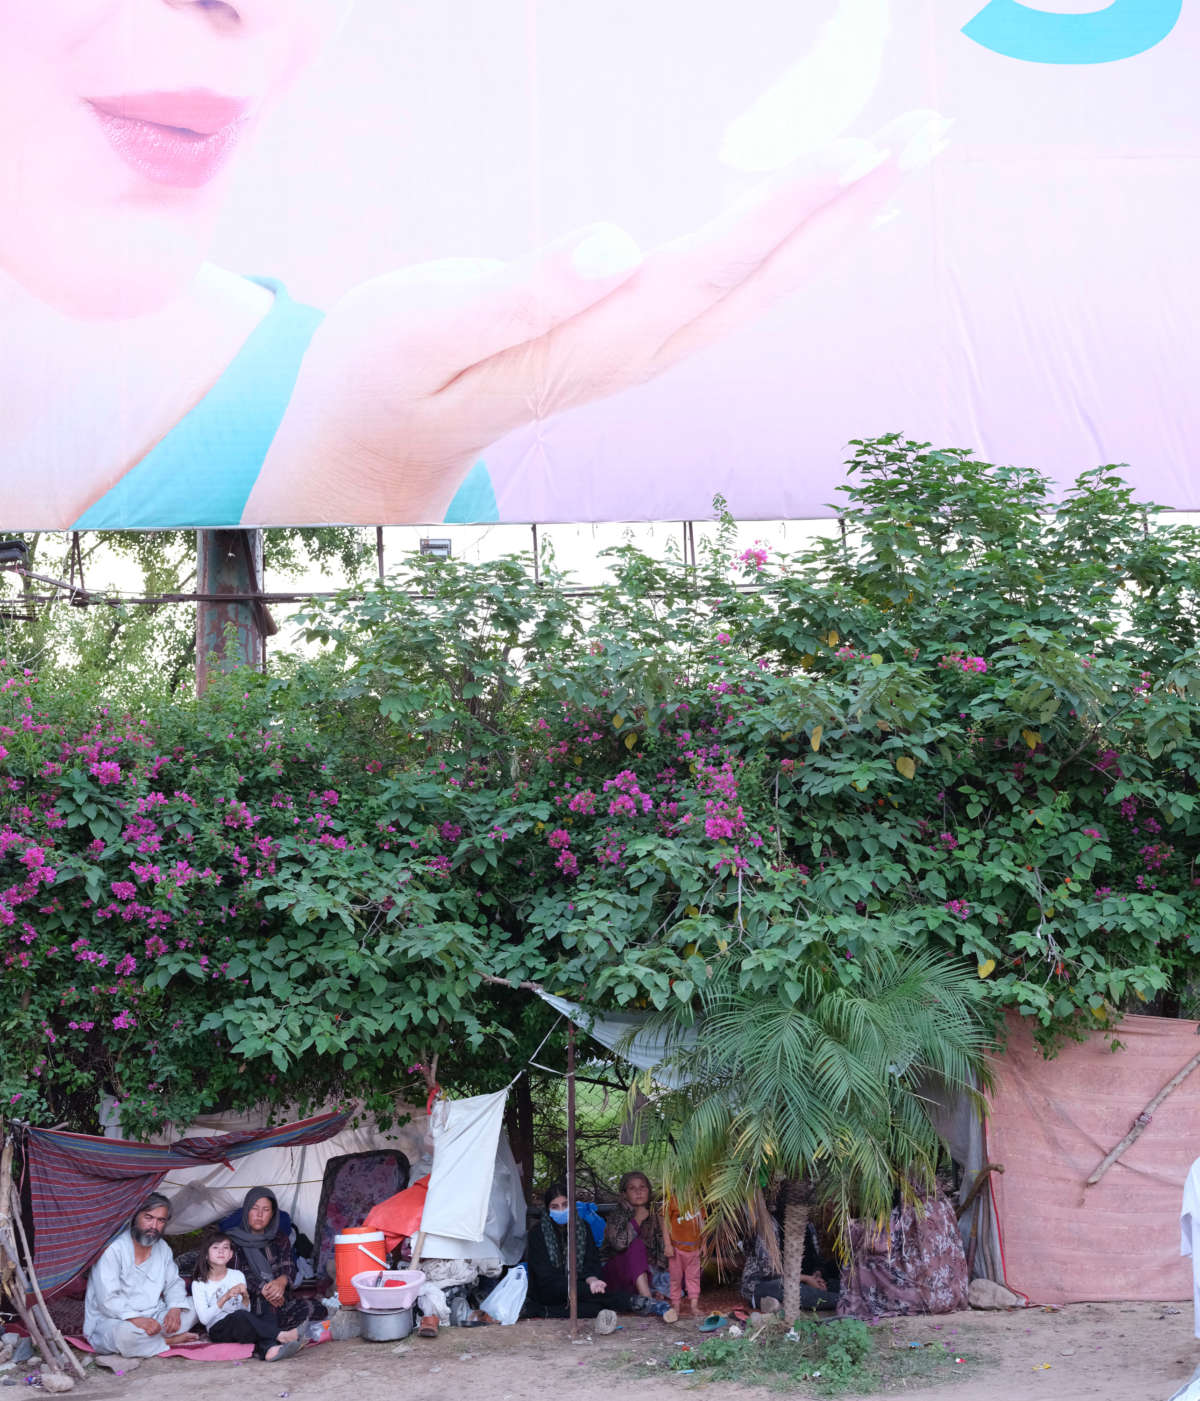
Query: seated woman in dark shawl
x=264, y=1255
x=762, y=1285
x=635, y=1258
x=547, y=1267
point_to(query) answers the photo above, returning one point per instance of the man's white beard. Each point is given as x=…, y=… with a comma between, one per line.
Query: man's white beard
x=147, y=1237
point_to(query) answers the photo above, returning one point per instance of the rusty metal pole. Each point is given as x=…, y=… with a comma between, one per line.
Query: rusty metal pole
x=229, y=562
x=572, y=1251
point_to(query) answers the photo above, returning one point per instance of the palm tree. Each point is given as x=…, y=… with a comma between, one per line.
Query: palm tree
x=821, y=1080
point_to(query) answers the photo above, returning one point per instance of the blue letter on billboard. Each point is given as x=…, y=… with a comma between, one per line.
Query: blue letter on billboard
x=1125, y=28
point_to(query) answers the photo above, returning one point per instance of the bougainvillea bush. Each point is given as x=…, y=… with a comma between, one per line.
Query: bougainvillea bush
x=162, y=869
x=962, y=726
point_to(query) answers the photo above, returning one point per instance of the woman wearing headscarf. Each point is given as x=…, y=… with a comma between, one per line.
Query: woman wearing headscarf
x=264, y=1255
x=548, y=1295
x=635, y=1259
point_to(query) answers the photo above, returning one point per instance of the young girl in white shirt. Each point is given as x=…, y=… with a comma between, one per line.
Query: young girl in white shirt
x=221, y=1300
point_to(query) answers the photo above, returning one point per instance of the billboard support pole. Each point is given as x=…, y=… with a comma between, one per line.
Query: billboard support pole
x=230, y=635
x=689, y=545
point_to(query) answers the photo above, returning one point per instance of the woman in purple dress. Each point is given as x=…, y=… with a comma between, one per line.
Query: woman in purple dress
x=634, y=1251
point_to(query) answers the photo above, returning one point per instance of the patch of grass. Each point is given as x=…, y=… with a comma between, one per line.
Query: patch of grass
x=827, y=1359
x=931, y=1363
x=821, y=1359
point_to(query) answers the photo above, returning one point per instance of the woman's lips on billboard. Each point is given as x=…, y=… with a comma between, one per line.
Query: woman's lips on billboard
x=173, y=138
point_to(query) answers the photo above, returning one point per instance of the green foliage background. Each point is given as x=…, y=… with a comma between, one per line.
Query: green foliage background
x=963, y=730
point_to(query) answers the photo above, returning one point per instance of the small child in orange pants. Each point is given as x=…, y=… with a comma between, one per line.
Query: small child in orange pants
x=683, y=1233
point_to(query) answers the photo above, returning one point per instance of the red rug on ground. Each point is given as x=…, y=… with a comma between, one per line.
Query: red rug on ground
x=198, y=1352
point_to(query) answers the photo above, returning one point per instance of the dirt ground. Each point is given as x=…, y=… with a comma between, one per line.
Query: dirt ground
x=1101, y=1352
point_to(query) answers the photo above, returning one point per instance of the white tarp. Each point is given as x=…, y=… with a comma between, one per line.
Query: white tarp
x=465, y=1135
x=503, y=1234
x=475, y=1190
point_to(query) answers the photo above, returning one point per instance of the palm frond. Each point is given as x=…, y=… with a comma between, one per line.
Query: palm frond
x=833, y=1086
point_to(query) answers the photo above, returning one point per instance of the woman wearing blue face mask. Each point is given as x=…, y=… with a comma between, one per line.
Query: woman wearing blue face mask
x=547, y=1262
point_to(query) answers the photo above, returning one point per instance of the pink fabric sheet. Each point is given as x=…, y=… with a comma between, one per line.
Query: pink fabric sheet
x=1051, y=1123
x=199, y=1352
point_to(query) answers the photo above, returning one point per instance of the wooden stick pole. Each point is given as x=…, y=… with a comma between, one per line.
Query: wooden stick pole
x=432, y=1085
x=981, y=1181
x=1142, y=1122
x=18, y=1293
x=572, y=1252
x=43, y=1331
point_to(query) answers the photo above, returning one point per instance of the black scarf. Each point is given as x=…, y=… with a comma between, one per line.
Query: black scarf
x=556, y=1241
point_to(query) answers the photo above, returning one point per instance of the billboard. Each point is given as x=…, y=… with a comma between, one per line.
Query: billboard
x=272, y=262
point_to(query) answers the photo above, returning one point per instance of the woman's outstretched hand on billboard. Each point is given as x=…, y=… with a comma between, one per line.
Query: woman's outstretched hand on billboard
x=413, y=374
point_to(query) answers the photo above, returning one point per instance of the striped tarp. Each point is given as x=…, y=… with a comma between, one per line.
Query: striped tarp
x=84, y=1189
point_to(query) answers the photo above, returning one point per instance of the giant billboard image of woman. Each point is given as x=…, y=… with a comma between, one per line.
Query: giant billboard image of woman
x=144, y=386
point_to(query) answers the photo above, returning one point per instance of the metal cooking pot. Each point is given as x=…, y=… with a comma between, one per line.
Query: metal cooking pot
x=385, y=1325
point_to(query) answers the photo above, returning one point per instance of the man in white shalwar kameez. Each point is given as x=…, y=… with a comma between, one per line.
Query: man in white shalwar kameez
x=136, y=1303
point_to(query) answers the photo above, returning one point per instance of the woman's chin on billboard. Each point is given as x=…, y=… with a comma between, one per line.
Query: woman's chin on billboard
x=121, y=121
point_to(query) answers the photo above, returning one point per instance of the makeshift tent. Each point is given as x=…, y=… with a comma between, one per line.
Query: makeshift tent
x=300, y=1177
x=84, y=1189
x=954, y=1116
x=296, y=1174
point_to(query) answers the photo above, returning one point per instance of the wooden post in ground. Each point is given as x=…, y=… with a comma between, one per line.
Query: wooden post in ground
x=572, y=1250
x=19, y=1280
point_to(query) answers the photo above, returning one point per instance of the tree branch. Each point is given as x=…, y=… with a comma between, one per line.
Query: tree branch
x=506, y=983
x=1142, y=1122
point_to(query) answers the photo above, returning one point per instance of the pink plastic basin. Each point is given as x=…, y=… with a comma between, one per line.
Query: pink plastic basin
x=398, y=1289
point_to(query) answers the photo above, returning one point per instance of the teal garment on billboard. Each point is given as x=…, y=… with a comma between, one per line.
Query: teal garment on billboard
x=475, y=501
x=1122, y=30
x=203, y=471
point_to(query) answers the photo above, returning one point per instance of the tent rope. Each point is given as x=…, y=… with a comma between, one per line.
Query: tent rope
x=533, y=1058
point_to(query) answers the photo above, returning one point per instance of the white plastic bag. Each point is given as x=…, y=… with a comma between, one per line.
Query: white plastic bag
x=431, y=1300
x=506, y=1301
x=1190, y=1390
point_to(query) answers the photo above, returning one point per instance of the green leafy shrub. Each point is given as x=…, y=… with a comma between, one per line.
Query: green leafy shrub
x=965, y=730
